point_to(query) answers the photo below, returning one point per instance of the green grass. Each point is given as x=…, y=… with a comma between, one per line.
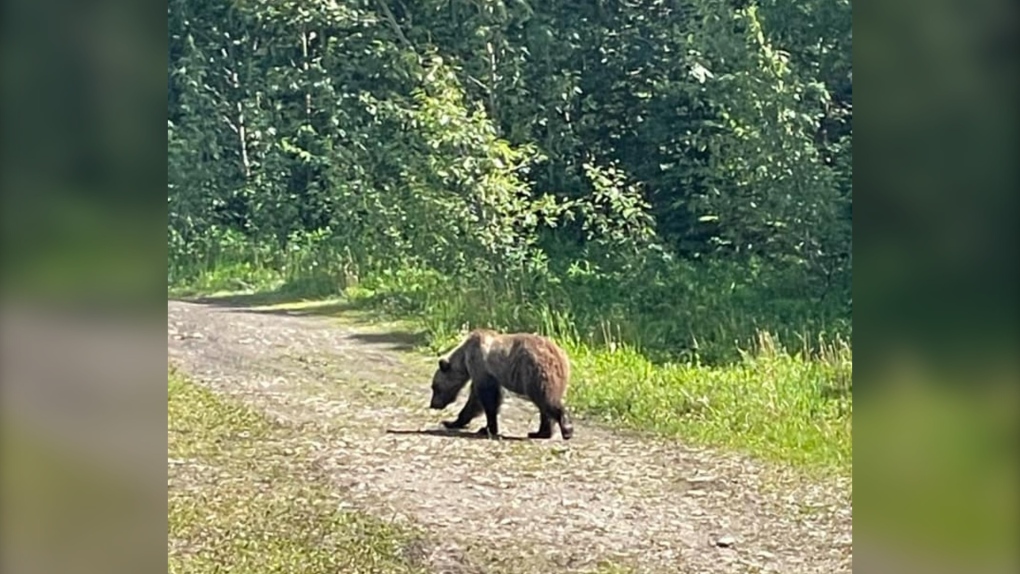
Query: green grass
x=67, y=510
x=773, y=404
x=242, y=501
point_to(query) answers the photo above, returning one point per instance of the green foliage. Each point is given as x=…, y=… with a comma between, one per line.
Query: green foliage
x=670, y=310
x=455, y=133
x=675, y=174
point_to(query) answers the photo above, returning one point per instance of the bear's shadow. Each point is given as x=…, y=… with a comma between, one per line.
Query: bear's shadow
x=454, y=433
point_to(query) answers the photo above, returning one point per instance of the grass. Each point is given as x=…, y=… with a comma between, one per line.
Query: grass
x=66, y=510
x=241, y=500
x=772, y=404
x=941, y=475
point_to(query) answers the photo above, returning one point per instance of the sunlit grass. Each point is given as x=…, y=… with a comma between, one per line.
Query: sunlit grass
x=773, y=404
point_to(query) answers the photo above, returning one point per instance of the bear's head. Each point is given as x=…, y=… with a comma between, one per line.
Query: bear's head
x=447, y=382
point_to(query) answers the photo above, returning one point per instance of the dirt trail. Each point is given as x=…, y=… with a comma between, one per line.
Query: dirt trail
x=511, y=505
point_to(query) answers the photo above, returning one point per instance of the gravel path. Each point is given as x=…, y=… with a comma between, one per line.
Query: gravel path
x=603, y=498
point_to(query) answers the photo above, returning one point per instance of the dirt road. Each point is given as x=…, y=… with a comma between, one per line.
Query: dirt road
x=605, y=497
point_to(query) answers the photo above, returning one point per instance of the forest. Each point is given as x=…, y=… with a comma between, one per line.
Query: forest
x=663, y=185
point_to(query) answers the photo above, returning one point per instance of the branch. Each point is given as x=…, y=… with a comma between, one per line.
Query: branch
x=478, y=83
x=396, y=27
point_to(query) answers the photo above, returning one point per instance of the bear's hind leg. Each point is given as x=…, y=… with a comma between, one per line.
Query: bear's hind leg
x=562, y=418
x=544, y=426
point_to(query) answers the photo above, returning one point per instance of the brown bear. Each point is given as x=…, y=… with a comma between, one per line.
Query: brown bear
x=527, y=365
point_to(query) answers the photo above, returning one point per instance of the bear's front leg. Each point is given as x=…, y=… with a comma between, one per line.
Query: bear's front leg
x=490, y=394
x=472, y=408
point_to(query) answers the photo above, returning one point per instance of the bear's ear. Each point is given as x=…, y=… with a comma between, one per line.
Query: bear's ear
x=444, y=365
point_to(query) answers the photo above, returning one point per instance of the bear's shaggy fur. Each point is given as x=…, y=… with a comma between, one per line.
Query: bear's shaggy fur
x=527, y=365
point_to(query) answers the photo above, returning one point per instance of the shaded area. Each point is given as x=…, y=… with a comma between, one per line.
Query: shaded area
x=312, y=301
x=262, y=298
x=307, y=309
x=456, y=434
x=353, y=311
x=395, y=340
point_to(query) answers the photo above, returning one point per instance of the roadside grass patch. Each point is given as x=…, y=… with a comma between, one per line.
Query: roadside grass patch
x=240, y=499
x=772, y=404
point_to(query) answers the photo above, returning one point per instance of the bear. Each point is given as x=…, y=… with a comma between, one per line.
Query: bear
x=527, y=365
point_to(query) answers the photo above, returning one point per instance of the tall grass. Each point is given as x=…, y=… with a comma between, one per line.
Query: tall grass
x=729, y=355
x=773, y=403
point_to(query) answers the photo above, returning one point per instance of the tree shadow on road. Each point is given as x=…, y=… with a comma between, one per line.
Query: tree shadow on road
x=450, y=433
x=395, y=340
x=251, y=301
x=289, y=305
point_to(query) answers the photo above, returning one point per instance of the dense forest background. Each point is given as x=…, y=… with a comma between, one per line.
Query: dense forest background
x=670, y=174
